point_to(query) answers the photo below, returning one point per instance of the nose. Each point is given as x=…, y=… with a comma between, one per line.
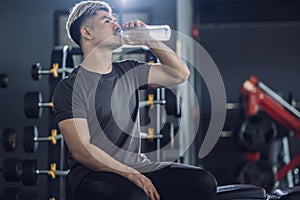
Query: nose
x=117, y=29
x=117, y=26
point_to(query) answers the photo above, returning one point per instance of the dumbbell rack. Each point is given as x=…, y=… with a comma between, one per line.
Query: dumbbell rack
x=61, y=56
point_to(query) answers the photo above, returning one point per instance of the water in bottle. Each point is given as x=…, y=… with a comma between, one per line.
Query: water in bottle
x=147, y=33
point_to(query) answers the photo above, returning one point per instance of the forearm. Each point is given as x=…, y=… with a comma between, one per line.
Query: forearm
x=98, y=160
x=169, y=58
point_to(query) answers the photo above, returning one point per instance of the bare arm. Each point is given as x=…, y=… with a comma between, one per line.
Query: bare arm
x=76, y=135
x=171, y=70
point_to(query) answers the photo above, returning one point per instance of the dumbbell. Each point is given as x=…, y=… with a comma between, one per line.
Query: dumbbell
x=151, y=101
x=172, y=103
x=27, y=171
x=9, y=139
x=37, y=71
x=31, y=138
x=34, y=103
x=17, y=194
x=150, y=135
x=3, y=80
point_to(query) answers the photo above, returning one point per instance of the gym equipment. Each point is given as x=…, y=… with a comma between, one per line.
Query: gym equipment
x=256, y=132
x=33, y=104
x=173, y=105
x=9, y=139
x=258, y=97
x=171, y=102
x=37, y=71
x=26, y=170
x=260, y=173
x=151, y=101
x=150, y=135
x=240, y=191
x=287, y=193
x=31, y=138
x=17, y=194
x=12, y=169
x=251, y=192
x=3, y=80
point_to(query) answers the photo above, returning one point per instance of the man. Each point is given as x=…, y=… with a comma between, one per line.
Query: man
x=96, y=108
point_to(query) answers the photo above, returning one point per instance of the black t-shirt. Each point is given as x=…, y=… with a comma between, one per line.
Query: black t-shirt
x=109, y=102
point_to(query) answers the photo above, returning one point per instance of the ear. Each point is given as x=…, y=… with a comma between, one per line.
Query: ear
x=86, y=33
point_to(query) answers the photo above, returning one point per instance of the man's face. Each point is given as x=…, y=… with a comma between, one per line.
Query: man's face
x=106, y=29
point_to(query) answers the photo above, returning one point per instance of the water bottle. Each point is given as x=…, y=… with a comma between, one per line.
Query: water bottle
x=147, y=33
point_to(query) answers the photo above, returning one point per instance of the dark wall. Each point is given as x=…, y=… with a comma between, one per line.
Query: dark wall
x=27, y=37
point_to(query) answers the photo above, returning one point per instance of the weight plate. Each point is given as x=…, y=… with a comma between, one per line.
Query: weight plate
x=29, y=176
x=32, y=100
x=256, y=132
x=29, y=133
x=12, y=169
x=9, y=139
x=3, y=80
x=259, y=173
x=173, y=104
x=35, y=71
x=12, y=193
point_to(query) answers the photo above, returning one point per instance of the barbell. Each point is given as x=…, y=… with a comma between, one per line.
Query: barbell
x=9, y=139
x=27, y=171
x=37, y=71
x=31, y=138
x=33, y=104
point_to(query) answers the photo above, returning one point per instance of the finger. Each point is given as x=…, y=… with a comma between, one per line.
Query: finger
x=128, y=25
x=151, y=196
x=131, y=24
x=139, y=23
x=125, y=25
x=156, y=195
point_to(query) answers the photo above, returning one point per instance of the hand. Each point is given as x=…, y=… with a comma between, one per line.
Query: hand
x=132, y=25
x=145, y=184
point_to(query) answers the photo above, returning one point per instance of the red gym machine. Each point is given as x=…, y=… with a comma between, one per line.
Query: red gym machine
x=260, y=97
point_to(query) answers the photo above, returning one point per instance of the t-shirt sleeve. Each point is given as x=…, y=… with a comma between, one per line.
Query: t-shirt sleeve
x=65, y=105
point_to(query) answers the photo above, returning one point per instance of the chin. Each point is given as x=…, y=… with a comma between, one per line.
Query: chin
x=113, y=43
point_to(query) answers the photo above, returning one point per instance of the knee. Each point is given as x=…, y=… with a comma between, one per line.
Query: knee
x=207, y=180
x=137, y=194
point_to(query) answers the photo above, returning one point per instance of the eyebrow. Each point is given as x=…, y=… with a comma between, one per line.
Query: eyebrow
x=110, y=18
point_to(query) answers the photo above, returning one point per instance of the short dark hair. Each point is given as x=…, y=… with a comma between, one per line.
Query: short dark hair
x=80, y=13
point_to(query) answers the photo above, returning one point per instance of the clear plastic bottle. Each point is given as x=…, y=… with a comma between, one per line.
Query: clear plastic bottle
x=147, y=33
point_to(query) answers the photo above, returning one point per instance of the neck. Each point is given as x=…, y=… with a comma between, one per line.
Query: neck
x=97, y=60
